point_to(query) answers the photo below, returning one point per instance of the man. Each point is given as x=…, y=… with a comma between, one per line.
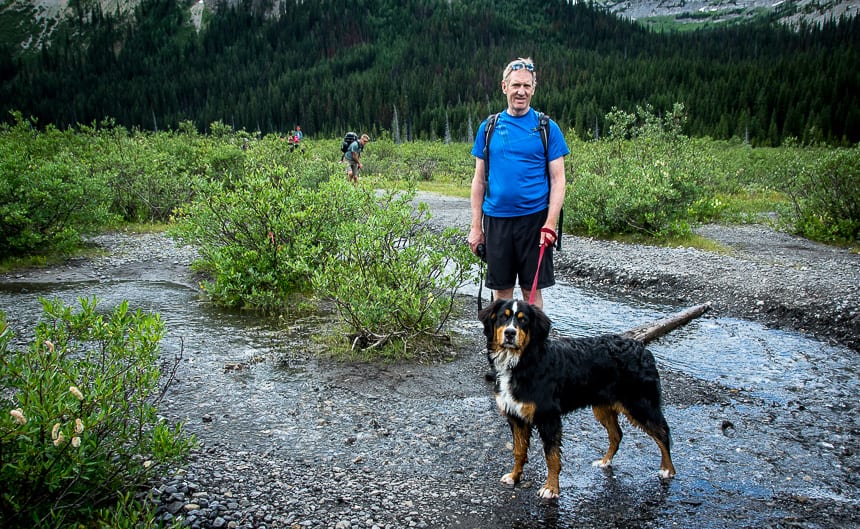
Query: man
x=519, y=199
x=353, y=157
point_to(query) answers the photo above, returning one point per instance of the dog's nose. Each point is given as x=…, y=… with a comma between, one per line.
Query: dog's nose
x=510, y=334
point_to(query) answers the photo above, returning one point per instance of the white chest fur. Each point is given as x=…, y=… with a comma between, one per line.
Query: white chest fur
x=505, y=400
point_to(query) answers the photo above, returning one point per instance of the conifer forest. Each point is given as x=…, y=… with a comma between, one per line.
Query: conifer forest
x=431, y=69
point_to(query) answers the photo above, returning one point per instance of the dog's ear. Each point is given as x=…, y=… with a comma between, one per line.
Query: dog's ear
x=487, y=316
x=541, y=325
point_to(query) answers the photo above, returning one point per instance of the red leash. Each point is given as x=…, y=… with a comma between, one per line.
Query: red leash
x=540, y=258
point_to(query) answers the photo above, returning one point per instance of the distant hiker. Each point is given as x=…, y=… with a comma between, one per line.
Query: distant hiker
x=352, y=156
x=296, y=138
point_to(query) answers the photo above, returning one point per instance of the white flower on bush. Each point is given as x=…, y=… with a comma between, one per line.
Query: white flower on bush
x=18, y=415
x=79, y=426
x=55, y=432
x=76, y=392
x=76, y=441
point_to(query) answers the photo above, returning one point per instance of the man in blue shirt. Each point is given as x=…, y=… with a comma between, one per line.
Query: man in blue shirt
x=519, y=199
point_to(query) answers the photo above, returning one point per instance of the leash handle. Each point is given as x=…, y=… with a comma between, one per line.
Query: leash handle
x=540, y=259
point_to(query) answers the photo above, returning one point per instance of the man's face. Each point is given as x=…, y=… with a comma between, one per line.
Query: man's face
x=519, y=88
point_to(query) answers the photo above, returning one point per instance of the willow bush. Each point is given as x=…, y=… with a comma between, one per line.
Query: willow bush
x=393, y=279
x=79, y=429
x=49, y=197
x=261, y=237
x=643, y=178
x=295, y=225
x=824, y=188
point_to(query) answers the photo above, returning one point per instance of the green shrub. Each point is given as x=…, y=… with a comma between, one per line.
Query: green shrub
x=393, y=280
x=48, y=195
x=825, y=193
x=644, y=178
x=280, y=231
x=79, y=426
x=261, y=238
x=151, y=174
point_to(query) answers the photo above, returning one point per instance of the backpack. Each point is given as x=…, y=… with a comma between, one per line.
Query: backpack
x=543, y=125
x=347, y=141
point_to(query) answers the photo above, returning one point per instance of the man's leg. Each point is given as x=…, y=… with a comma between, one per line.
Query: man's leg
x=538, y=297
x=508, y=293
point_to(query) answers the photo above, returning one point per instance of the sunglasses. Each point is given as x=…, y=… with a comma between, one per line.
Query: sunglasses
x=520, y=65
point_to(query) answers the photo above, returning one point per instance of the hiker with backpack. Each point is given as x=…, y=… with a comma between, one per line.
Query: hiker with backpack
x=352, y=146
x=518, y=190
x=296, y=138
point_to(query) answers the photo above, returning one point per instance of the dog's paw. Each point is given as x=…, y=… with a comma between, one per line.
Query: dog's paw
x=666, y=474
x=509, y=480
x=547, y=493
x=602, y=463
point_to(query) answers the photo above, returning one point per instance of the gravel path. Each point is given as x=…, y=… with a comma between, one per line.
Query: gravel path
x=784, y=281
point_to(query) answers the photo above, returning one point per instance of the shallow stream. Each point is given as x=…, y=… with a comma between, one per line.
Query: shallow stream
x=765, y=423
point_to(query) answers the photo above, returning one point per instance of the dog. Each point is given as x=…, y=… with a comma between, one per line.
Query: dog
x=538, y=380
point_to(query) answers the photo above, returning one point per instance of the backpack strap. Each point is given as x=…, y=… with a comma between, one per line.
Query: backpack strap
x=543, y=124
x=488, y=133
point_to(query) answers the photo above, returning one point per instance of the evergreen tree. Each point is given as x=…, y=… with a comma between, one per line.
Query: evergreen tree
x=384, y=63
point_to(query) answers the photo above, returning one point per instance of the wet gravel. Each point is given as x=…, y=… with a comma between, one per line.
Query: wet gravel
x=780, y=280
x=240, y=479
x=761, y=274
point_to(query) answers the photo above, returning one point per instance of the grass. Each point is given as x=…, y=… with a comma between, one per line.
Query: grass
x=692, y=241
x=450, y=189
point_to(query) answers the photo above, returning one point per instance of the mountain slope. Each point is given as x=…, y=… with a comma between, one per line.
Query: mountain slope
x=28, y=23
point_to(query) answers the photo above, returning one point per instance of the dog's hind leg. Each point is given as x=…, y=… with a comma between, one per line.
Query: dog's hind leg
x=652, y=421
x=550, y=434
x=608, y=417
x=659, y=431
x=522, y=433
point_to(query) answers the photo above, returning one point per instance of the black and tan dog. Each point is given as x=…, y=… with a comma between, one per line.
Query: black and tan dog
x=539, y=379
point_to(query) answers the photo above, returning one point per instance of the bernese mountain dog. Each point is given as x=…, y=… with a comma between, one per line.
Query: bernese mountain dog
x=539, y=379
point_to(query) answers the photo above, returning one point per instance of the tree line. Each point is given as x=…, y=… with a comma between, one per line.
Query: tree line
x=431, y=69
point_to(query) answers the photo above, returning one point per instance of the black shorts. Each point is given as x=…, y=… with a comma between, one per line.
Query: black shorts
x=513, y=248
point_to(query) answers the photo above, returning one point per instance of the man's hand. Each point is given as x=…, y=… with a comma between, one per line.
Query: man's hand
x=475, y=238
x=548, y=236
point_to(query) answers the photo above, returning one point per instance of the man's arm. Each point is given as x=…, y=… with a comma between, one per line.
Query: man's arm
x=558, y=183
x=476, y=199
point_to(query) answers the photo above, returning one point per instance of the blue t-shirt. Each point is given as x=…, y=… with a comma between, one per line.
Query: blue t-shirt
x=518, y=184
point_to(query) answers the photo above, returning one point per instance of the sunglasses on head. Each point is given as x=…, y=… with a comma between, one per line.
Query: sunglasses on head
x=520, y=65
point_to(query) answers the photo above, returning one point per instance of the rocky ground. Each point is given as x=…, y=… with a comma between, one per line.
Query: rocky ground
x=382, y=420
x=783, y=281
